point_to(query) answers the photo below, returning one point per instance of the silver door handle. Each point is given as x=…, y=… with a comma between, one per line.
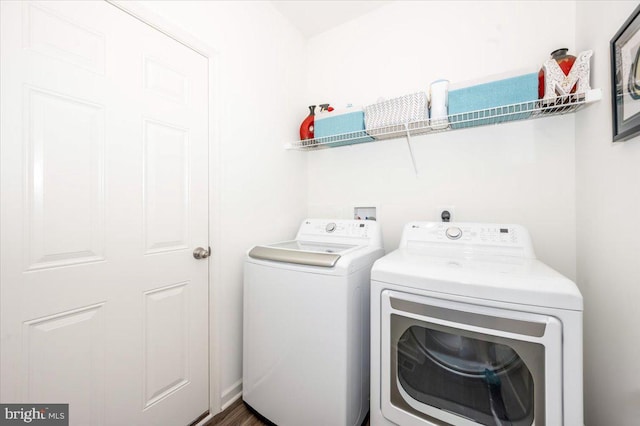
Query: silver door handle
x=202, y=253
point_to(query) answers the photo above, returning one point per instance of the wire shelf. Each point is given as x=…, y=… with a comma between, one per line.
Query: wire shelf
x=515, y=112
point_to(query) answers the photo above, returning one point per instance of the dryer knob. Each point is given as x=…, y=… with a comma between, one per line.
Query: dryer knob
x=453, y=233
x=330, y=227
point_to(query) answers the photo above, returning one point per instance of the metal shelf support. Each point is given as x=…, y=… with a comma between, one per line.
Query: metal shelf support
x=413, y=158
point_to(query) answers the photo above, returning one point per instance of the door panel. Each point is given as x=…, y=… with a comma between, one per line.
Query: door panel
x=65, y=145
x=165, y=341
x=166, y=189
x=47, y=361
x=104, y=196
x=52, y=33
x=163, y=81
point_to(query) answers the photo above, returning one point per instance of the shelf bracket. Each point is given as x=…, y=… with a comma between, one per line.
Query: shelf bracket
x=413, y=159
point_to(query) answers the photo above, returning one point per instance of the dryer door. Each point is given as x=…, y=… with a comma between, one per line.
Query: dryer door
x=445, y=361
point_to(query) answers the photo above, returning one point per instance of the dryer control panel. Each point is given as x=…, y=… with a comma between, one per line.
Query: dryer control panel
x=486, y=238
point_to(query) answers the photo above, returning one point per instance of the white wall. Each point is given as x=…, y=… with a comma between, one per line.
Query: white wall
x=608, y=209
x=262, y=186
x=518, y=172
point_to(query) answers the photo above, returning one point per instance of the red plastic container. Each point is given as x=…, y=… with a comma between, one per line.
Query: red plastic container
x=565, y=61
x=306, y=128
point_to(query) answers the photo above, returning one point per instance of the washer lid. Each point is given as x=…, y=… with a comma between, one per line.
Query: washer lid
x=302, y=252
x=497, y=278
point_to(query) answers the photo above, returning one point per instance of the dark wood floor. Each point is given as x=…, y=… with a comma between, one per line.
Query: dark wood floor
x=237, y=414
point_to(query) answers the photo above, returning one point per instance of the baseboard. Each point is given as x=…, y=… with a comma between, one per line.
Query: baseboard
x=205, y=420
x=231, y=395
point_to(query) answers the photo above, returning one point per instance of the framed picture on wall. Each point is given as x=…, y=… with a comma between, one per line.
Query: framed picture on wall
x=625, y=79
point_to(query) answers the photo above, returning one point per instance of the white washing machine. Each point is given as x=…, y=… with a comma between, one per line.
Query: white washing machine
x=306, y=324
x=468, y=328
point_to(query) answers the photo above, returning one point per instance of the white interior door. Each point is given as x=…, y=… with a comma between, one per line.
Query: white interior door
x=104, y=194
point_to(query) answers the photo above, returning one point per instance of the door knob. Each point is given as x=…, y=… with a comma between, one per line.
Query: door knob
x=202, y=253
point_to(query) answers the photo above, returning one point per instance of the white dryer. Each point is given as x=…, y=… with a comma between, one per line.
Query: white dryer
x=306, y=324
x=469, y=328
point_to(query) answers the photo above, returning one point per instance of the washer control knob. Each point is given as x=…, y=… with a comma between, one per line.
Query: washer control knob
x=330, y=227
x=453, y=233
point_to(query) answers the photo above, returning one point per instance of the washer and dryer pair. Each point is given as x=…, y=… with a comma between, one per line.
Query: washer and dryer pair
x=467, y=328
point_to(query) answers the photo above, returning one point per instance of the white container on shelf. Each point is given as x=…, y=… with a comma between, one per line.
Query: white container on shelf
x=386, y=117
x=439, y=94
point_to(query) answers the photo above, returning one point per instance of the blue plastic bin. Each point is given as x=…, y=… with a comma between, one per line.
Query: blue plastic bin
x=338, y=129
x=498, y=97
